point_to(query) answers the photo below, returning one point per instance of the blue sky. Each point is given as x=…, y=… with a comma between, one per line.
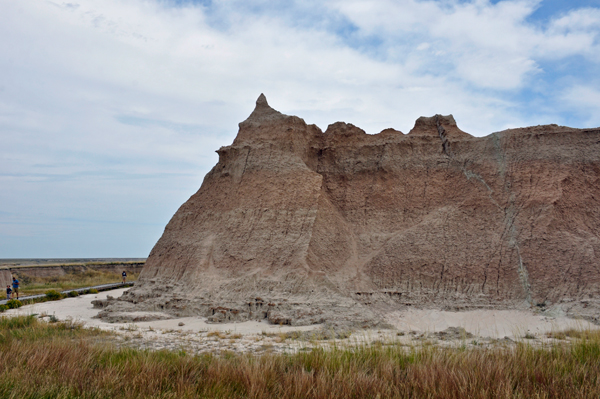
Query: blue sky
x=111, y=110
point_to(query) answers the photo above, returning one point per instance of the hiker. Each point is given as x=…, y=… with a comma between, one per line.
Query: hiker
x=124, y=276
x=15, y=287
x=8, y=292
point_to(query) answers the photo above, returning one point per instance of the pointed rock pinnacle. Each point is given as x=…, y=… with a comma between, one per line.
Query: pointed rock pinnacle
x=261, y=100
x=263, y=112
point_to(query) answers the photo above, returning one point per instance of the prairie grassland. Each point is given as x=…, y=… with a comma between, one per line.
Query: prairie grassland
x=39, y=285
x=63, y=360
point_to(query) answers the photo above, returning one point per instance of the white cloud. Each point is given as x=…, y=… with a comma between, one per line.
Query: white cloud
x=576, y=33
x=116, y=97
x=581, y=19
x=484, y=44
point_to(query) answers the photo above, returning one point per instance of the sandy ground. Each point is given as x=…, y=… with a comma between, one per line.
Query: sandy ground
x=497, y=324
x=80, y=309
x=193, y=334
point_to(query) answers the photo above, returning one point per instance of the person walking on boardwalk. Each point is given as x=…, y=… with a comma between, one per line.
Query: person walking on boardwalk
x=8, y=292
x=124, y=275
x=15, y=287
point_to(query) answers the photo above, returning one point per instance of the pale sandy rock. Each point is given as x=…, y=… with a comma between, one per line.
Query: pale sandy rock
x=133, y=317
x=298, y=226
x=5, y=279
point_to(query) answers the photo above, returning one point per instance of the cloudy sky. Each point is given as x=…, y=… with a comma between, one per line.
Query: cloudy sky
x=111, y=110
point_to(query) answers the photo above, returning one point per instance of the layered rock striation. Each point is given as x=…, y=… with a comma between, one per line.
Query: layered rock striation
x=299, y=226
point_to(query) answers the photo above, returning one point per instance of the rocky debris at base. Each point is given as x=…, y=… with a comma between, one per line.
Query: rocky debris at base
x=410, y=328
x=452, y=333
x=227, y=342
x=132, y=317
x=102, y=303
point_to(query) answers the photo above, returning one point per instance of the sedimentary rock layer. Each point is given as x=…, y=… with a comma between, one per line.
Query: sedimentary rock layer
x=299, y=226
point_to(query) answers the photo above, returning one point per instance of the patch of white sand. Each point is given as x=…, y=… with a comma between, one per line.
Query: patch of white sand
x=485, y=323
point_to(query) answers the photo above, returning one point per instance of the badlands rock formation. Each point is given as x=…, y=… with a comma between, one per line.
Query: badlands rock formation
x=299, y=226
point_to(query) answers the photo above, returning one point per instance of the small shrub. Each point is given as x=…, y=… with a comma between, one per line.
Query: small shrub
x=53, y=318
x=129, y=327
x=14, y=304
x=343, y=334
x=35, y=300
x=557, y=335
x=93, y=291
x=3, y=308
x=53, y=295
x=217, y=334
x=73, y=294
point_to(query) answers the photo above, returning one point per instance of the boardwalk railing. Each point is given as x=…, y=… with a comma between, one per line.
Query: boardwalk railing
x=102, y=287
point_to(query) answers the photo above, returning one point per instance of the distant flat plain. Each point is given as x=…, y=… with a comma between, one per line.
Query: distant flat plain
x=63, y=261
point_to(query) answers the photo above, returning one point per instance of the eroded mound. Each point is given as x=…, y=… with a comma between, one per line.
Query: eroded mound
x=299, y=226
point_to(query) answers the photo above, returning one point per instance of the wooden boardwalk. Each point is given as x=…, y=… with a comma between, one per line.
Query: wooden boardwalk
x=102, y=287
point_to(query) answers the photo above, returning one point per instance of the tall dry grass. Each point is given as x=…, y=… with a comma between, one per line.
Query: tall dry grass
x=62, y=360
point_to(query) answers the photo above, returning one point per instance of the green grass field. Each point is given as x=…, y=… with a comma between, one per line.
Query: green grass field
x=39, y=285
x=63, y=360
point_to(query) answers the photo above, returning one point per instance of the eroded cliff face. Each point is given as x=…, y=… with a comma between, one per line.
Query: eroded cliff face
x=299, y=226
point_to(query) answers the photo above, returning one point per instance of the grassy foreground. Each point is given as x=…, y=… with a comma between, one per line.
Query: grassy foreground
x=63, y=360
